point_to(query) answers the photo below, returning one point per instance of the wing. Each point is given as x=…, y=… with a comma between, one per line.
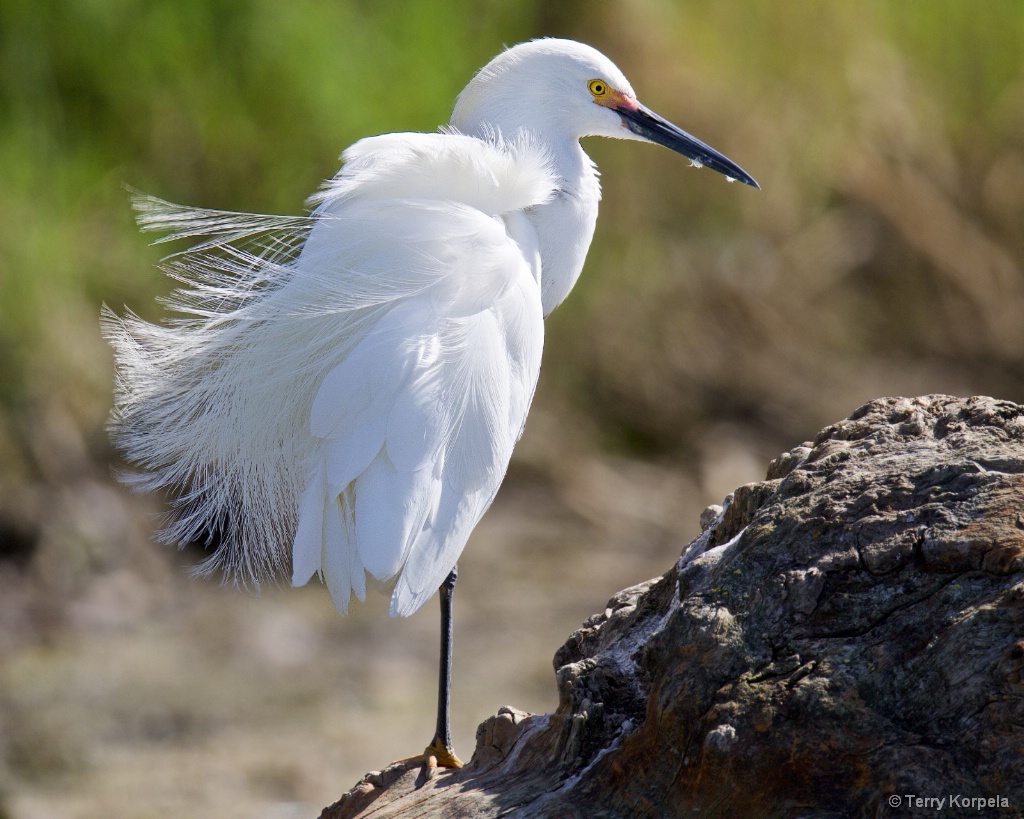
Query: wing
x=348, y=383
x=417, y=424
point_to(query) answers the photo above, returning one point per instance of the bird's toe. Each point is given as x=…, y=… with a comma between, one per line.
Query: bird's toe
x=439, y=754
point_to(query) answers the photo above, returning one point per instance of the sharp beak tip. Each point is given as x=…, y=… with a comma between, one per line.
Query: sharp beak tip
x=732, y=172
x=646, y=124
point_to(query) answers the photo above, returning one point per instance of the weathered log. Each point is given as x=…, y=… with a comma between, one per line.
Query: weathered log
x=845, y=638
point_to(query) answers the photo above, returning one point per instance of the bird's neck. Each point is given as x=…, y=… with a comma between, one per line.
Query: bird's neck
x=565, y=225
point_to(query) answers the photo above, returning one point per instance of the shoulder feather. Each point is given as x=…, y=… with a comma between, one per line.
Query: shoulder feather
x=495, y=176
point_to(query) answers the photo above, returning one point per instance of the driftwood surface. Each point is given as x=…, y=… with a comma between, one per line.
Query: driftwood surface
x=845, y=638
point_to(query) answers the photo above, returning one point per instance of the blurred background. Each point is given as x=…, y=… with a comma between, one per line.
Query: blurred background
x=714, y=327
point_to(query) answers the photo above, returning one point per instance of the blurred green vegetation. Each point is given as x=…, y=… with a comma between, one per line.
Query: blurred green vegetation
x=885, y=254
x=240, y=105
x=837, y=108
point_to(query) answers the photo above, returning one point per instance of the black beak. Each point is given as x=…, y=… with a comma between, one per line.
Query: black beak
x=645, y=123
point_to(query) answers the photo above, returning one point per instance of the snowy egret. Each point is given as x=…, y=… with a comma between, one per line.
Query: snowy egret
x=342, y=391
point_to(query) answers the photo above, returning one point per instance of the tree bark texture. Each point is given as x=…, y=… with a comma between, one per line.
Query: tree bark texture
x=844, y=638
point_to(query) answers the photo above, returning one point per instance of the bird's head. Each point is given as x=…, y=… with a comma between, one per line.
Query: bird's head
x=567, y=89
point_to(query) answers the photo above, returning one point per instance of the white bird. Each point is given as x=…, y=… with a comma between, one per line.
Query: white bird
x=342, y=391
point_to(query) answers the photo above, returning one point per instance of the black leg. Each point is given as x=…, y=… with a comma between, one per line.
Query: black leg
x=444, y=677
x=441, y=747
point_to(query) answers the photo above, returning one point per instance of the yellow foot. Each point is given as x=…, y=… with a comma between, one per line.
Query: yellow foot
x=439, y=755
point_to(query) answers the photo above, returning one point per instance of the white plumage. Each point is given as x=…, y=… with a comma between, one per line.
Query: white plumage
x=342, y=391
x=359, y=397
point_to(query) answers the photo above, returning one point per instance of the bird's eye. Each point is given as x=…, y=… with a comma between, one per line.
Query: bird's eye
x=597, y=88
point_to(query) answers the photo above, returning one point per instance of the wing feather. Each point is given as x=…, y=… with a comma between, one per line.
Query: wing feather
x=342, y=573
x=493, y=373
x=307, y=549
x=391, y=509
x=419, y=423
x=348, y=456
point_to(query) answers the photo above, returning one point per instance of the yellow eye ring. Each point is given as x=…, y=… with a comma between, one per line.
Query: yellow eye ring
x=599, y=88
